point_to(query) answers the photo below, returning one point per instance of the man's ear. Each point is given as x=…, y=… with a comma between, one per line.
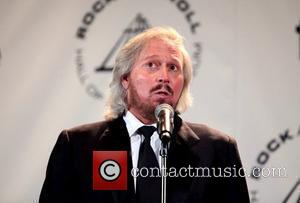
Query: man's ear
x=125, y=81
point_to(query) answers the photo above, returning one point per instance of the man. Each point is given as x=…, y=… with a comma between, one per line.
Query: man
x=151, y=69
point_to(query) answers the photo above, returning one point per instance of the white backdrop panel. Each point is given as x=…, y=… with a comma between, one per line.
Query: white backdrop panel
x=246, y=85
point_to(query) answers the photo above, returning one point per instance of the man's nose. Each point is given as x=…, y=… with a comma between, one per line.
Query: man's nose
x=163, y=74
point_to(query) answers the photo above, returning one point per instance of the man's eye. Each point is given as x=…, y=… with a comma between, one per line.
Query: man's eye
x=173, y=67
x=151, y=65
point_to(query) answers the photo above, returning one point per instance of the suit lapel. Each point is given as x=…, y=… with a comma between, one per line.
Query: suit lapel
x=187, y=149
x=192, y=141
x=116, y=138
x=179, y=155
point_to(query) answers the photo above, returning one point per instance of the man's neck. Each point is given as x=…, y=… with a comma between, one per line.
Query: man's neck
x=142, y=118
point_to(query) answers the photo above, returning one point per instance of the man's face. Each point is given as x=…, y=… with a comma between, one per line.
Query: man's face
x=156, y=78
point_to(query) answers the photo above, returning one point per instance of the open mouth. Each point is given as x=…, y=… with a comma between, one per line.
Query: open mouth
x=162, y=94
x=165, y=93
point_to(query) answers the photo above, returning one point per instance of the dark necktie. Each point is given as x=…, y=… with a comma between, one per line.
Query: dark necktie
x=148, y=188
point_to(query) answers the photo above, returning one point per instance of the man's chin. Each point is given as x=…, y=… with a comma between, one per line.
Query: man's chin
x=162, y=101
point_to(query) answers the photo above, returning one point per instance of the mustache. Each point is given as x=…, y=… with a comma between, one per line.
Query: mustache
x=165, y=87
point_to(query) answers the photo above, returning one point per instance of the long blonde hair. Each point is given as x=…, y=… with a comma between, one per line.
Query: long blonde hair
x=116, y=103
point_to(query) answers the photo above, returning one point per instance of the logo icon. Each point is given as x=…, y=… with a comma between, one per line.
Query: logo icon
x=138, y=25
x=110, y=170
x=90, y=78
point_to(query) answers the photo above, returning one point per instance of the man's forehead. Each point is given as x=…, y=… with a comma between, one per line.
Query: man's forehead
x=154, y=47
x=154, y=43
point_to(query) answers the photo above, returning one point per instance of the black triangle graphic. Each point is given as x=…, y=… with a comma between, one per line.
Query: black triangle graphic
x=139, y=24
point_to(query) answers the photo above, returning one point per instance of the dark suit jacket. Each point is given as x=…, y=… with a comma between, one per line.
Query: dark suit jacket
x=69, y=171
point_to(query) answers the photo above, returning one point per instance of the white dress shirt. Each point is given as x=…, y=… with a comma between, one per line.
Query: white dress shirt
x=132, y=125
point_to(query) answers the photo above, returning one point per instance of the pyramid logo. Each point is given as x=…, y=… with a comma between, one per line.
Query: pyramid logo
x=138, y=25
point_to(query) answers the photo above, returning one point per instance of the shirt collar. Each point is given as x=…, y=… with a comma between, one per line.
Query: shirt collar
x=133, y=123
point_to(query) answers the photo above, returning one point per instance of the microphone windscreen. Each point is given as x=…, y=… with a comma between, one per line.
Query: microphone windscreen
x=161, y=107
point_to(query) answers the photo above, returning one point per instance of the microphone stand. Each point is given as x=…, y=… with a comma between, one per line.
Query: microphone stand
x=164, y=114
x=164, y=155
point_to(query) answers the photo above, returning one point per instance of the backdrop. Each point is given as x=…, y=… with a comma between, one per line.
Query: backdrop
x=55, y=67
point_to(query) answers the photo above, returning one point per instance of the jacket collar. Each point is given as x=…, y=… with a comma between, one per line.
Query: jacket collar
x=116, y=138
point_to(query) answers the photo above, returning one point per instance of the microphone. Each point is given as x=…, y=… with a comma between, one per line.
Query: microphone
x=164, y=114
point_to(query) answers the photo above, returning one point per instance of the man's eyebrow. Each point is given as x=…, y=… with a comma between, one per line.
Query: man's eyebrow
x=157, y=56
